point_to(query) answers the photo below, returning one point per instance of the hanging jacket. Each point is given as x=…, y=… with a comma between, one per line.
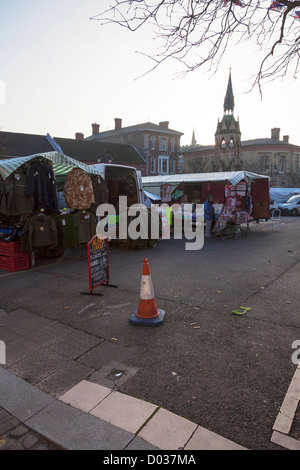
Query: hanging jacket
x=66, y=230
x=42, y=186
x=78, y=190
x=86, y=226
x=14, y=201
x=100, y=192
x=39, y=230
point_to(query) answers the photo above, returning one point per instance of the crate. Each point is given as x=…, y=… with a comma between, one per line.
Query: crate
x=14, y=263
x=10, y=248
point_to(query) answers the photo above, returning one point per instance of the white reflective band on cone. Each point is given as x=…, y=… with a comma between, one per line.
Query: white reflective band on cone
x=147, y=292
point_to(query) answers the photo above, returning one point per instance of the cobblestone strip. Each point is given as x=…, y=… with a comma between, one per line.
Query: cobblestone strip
x=15, y=436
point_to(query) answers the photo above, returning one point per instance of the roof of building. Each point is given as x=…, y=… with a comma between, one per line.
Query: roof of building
x=265, y=141
x=244, y=143
x=85, y=150
x=18, y=144
x=147, y=126
x=13, y=144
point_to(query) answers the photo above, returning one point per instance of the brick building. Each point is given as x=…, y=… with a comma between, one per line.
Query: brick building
x=158, y=144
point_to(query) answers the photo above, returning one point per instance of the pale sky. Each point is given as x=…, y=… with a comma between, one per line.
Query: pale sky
x=60, y=72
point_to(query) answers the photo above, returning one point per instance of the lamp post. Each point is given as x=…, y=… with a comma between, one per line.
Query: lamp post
x=181, y=163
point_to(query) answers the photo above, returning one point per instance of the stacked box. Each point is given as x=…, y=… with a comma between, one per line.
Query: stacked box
x=11, y=257
x=10, y=248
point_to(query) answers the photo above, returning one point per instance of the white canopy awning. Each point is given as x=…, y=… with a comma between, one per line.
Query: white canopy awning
x=62, y=164
x=234, y=177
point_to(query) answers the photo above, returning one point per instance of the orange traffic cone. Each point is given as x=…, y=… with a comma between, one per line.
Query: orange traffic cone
x=147, y=312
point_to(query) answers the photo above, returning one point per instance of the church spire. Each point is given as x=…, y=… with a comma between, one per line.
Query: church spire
x=194, y=142
x=229, y=98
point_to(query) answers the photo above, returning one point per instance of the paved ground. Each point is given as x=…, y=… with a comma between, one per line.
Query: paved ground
x=225, y=373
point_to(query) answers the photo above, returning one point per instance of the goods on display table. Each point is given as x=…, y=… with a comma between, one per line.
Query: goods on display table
x=236, y=209
x=31, y=223
x=239, y=196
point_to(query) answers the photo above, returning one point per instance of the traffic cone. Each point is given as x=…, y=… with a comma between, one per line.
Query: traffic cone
x=147, y=312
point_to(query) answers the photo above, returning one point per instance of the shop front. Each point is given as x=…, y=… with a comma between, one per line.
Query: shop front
x=238, y=197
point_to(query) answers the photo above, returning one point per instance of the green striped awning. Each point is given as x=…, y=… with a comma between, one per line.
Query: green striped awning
x=62, y=164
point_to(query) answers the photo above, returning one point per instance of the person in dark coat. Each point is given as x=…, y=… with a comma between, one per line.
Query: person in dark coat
x=209, y=215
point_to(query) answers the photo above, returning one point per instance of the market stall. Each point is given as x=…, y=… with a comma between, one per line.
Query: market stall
x=31, y=222
x=239, y=196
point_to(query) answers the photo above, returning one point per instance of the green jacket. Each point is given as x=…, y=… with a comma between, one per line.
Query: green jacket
x=13, y=200
x=66, y=230
x=39, y=230
x=86, y=226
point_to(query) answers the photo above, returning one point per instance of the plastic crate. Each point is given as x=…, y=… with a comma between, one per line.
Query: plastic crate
x=10, y=248
x=14, y=263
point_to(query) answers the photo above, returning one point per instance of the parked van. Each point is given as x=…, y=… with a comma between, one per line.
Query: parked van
x=291, y=207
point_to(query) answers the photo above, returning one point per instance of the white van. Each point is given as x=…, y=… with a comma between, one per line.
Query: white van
x=122, y=180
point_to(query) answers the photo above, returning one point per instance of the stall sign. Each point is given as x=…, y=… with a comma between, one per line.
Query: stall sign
x=98, y=262
x=166, y=192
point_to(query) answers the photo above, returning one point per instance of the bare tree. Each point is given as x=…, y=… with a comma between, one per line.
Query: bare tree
x=198, y=32
x=197, y=165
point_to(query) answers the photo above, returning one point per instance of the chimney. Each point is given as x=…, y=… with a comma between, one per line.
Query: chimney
x=79, y=136
x=164, y=124
x=96, y=128
x=286, y=139
x=118, y=123
x=275, y=133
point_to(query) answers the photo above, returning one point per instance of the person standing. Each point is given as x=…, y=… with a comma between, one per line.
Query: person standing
x=209, y=215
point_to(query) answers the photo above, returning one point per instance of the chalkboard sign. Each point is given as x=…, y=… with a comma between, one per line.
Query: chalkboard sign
x=98, y=262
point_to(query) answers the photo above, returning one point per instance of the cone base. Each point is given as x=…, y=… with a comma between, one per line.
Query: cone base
x=135, y=320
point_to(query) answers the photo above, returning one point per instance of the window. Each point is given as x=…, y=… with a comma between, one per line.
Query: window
x=153, y=165
x=173, y=167
x=153, y=140
x=264, y=162
x=282, y=163
x=163, y=143
x=163, y=165
x=173, y=145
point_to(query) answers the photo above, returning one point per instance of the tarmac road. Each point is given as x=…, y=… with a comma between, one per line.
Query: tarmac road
x=228, y=373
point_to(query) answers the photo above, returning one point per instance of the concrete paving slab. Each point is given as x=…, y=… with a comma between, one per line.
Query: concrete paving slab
x=20, y=321
x=74, y=344
x=168, y=431
x=64, y=378
x=126, y=412
x=19, y=398
x=74, y=430
x=19, y=349
x=7, y=335
x=294, y=388
x=85, y=395
x=48, y=334
x=285, y=441
x=285, y=417
x=37, y=367
x=139, y=444
x=202, y=439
